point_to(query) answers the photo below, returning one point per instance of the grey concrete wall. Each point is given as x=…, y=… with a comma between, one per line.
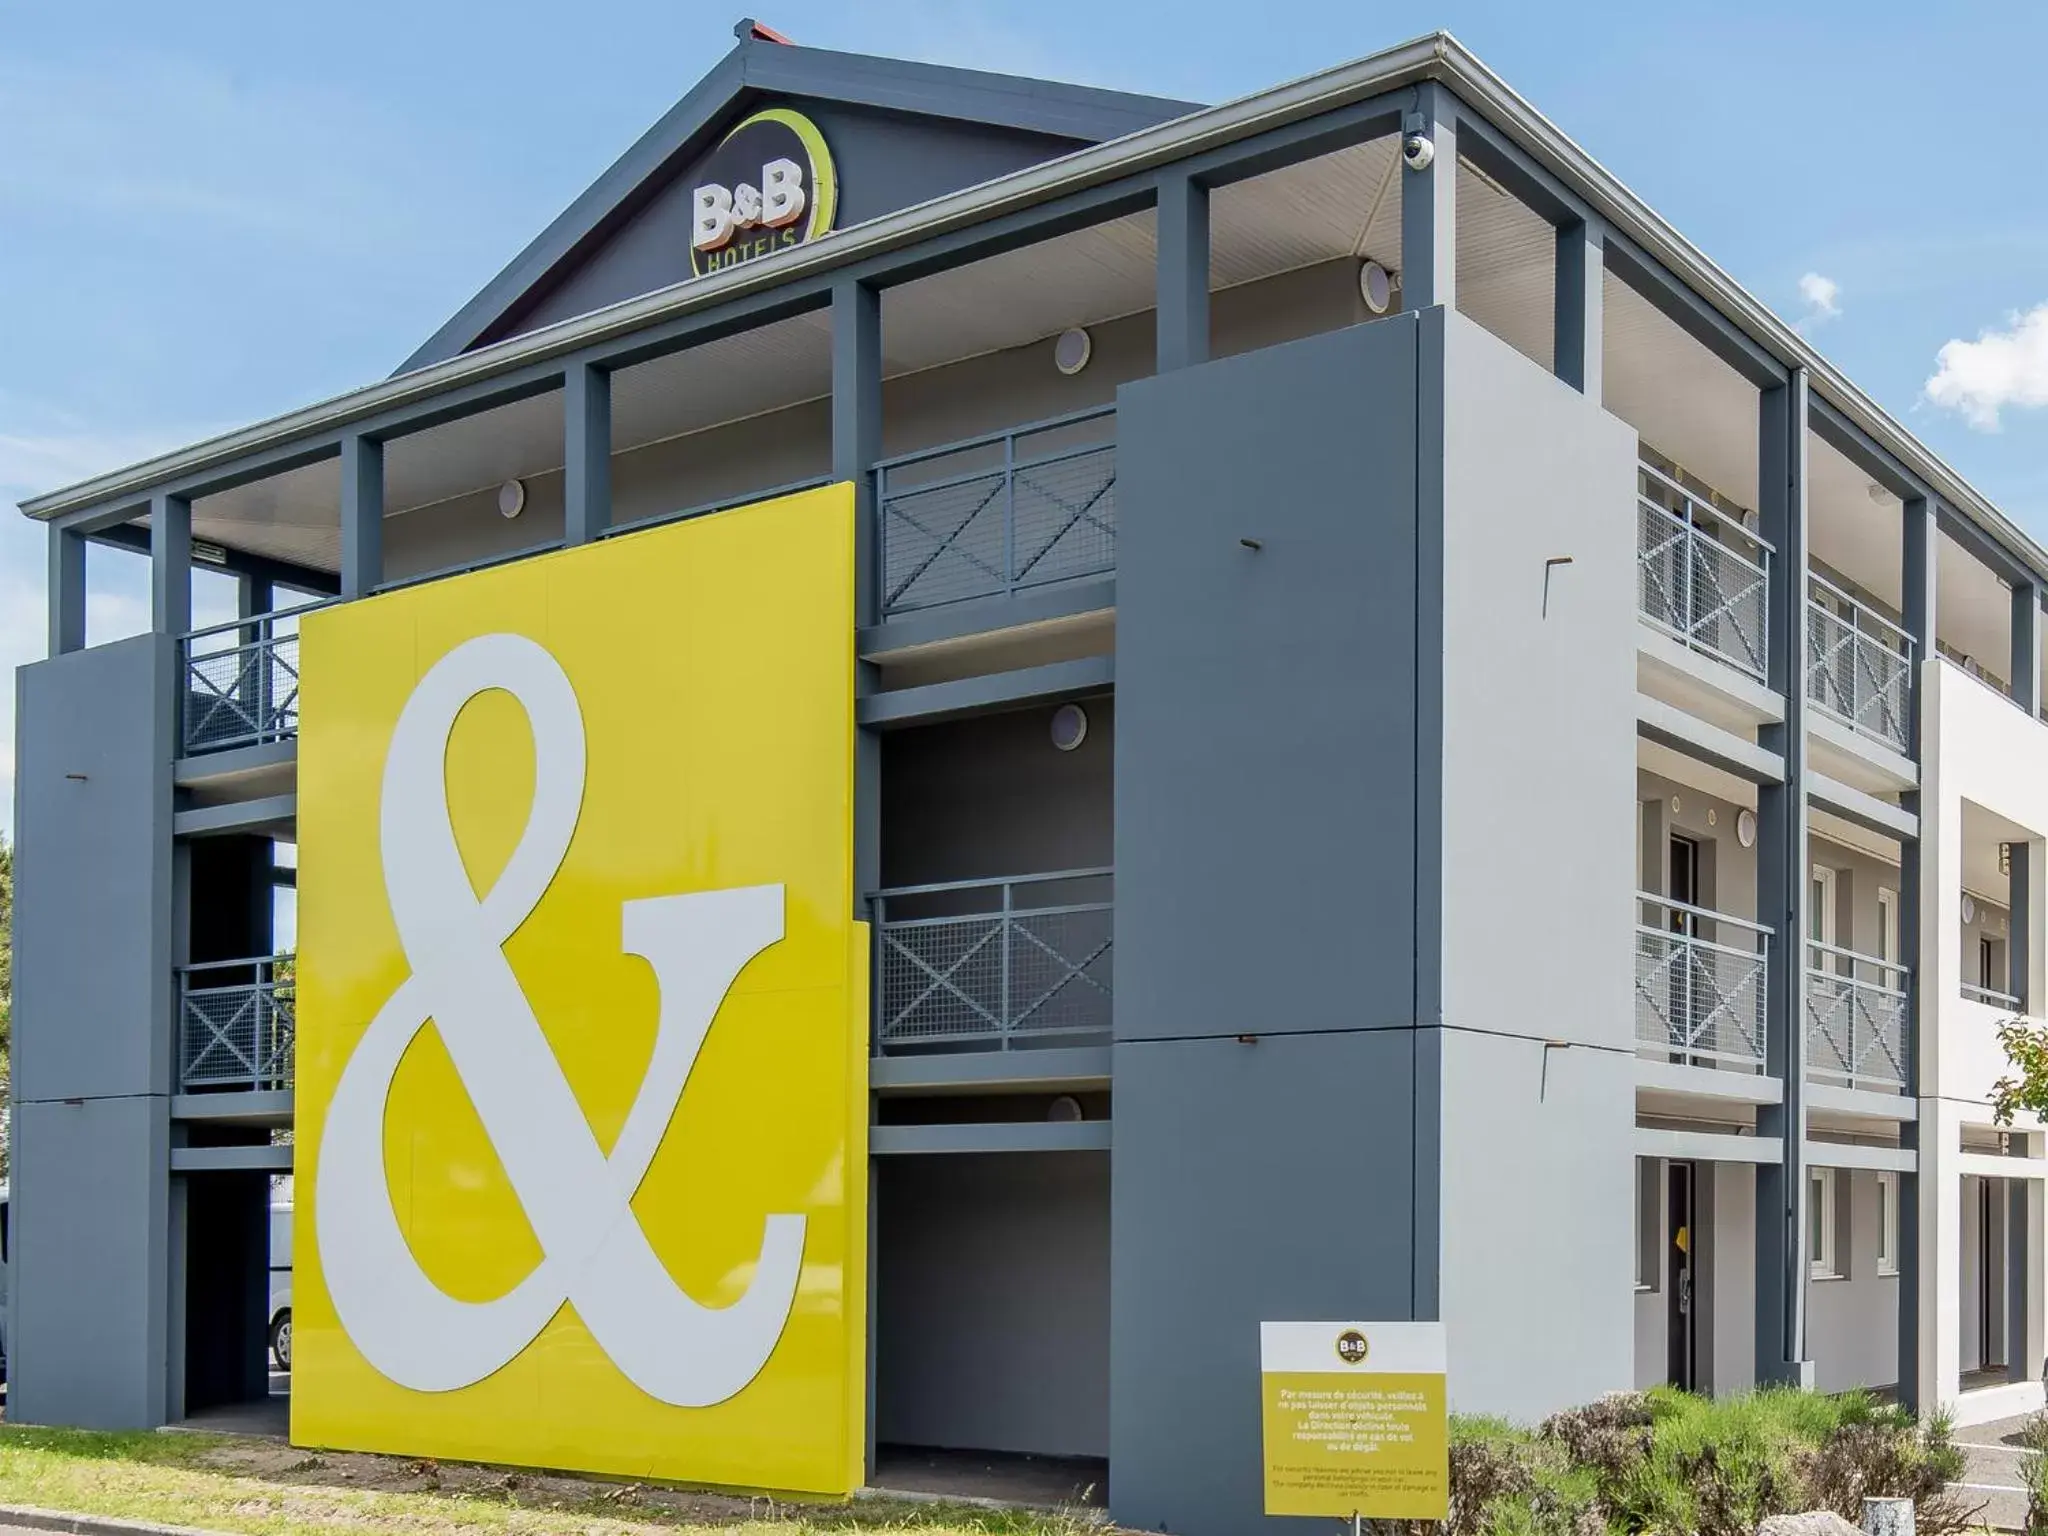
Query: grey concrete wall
x=1537, y=710
x=93, y=1010
x=1266, y=775
x=1729, y=1277
x=992, y=796
x=886, y=161
x=992, y=1302
x=1253, y=1182
x=92, y=864
x=1852, y=1323
x=1265, y=847
x=1652, y=1314
x=1727, y=869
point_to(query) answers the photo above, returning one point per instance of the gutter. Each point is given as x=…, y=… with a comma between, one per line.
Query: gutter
x=1438, y=56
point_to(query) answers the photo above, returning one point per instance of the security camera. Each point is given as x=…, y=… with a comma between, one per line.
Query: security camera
x=1417, y=152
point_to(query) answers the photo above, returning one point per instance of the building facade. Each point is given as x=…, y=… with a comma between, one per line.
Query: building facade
x=1415, y=754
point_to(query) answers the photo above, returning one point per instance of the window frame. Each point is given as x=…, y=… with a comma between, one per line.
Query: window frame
x=1887, y=1222
x=1822, y=1195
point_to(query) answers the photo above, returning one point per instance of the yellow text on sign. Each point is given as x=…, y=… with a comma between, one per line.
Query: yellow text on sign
x=1349, y=1427
x=711, y=665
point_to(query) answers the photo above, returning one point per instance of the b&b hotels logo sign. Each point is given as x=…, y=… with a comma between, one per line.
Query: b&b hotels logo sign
x=769, y=185
x=581, y=1065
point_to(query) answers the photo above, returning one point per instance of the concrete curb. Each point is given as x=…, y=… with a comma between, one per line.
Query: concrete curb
x=90, y=1525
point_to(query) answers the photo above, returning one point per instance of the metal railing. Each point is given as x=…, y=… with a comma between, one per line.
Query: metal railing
x=1859, y=665
x=241, y=682
x=1991, y=995
x=1000, y=513
x=1700, y=574
x=236, y=1023
x=994, y=963
x=1857, y=1015
x=1700, y=984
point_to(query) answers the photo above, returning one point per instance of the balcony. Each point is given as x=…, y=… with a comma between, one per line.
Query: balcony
x=1701, y=576
x=995, y=964
x=1000, y=514
x=1700, y=982
x=1857, y=1015
x=236, y=1025
x=1991, y=997
x=1858, y=665
x=241, y=683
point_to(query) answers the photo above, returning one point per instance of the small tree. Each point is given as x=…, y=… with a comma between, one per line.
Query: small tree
x=2026, y=1047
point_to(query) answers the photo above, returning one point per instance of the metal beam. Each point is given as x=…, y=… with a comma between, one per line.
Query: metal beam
x=2025, y=670
x=1782, y=892
x=262, y=1159
x=1870, y=456
x=857, y=426
x=1002, y=1136
x=991, y=691
x=984, y=616
x=1049, y=1070
x=1707, y=1147
x=1866, y=810
x=362, y=515
x=1182, y=332
x=1579, y=302
x=1429, y=204
x=272, y=812
x=260, y=1107
x=1714, y=745
x=170, y=564
x=586, y=452
x=67, y=591
x=1691, y=313
x=1836, y=1154
x=2003, y=564
x=1918, y=557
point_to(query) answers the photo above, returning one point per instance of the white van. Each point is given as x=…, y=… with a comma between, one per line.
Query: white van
x=281, y=1283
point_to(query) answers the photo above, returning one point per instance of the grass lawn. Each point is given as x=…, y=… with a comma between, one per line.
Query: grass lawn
x=226, y=1483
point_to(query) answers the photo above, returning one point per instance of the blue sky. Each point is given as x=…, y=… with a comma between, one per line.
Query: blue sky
x=214, y=212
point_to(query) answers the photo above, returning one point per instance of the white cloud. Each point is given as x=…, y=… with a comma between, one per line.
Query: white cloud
x=1823, y=298
x=2000, y=368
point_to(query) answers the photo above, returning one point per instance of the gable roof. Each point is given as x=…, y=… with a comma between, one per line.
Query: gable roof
x=759, y=66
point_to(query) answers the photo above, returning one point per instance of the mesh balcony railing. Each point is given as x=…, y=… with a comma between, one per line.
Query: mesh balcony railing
x=1700, y=983
x=235, y=1024
x=1700, y=574
x=1858, y=664
x=999, y=514
x=241, y=683
x=994, y=964
x=1856, y=1019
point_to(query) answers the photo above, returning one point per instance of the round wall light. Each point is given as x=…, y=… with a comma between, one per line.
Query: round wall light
x=1071, y=351
x=1969, y=908
x=1745, y=828
x=1069, y=727
x=1065, y=1110
x=511, y=498
x=1376, y=287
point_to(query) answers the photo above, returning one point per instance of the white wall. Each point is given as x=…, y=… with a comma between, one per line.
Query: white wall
x=1852, y=1323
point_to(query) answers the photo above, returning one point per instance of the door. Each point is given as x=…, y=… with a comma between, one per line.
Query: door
x=1690, y=997
x=1990, y=1273
x=1682, y=1238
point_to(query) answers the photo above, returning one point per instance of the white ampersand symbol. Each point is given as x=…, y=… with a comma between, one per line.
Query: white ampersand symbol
x=575, y=1197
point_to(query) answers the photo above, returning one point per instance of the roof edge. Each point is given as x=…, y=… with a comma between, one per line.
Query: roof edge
x=1438, y=55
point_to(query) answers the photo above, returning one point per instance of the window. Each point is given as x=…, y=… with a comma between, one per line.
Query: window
x=1888, y=928
x=1820, y=1224
x=1820, y=917
x=1887, y=1223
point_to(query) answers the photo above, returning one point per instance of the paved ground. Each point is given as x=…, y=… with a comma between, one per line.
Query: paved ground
x=1993, y=1475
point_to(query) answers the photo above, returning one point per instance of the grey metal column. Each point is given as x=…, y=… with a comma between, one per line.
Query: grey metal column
x=1581, y=277
x=1918, y=558
x=856, y=445
x=1183, y=273
x=2026, y=647
x=2018, y=942
x=2016, y=1298
x=586, y=452
x=170, y=564
x=67, y=591
x=362, y=515
x=1429, y=205
x=1782, y=896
